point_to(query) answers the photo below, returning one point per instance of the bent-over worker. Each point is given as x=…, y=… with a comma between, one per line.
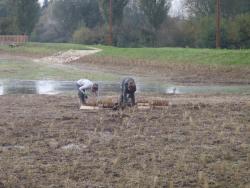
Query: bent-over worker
x=128, y=92
x=83, y=87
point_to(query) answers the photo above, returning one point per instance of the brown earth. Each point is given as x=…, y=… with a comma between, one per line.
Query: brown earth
x=180, y=73
x=197, y=141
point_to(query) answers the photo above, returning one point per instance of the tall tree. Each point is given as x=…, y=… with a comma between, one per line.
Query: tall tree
x=45, y=4
x=200, y=8
x=18, y=17
x=62, y=17
x=229, y=8
x=117, y=9
x=8, y=15
x=28, y=12
x=156, y=11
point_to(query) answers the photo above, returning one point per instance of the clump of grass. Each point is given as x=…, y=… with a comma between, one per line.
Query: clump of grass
x=171, y=183
x=155, y=181
x=205, y=184
x=200, y=177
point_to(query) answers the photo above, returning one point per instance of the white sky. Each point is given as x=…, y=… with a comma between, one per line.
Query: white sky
x=176, y=8
x=41, y=2
x=176, y=3
x=174, y=11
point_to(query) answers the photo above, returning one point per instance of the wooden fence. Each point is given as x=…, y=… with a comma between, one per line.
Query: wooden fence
x=10, y=39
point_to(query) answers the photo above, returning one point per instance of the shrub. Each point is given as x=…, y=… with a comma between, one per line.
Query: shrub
x=84, y=35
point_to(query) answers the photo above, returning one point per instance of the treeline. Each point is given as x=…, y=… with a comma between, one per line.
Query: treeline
x=135, y=23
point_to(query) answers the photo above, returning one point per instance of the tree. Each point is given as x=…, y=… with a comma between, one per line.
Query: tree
x=234, y=18
x=28, y=12
x=229, y=8
x=200, y=8
x=8, y=17
x=156, y=11
x=18, y=17
x=45, y=4
x=117, y=10
x=63, y=17
x=132, y=27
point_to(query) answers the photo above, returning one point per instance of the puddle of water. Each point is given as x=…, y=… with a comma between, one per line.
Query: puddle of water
x=50, y=87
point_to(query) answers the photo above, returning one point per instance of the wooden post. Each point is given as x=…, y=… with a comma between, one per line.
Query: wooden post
x=218, y=24
x=110, y=23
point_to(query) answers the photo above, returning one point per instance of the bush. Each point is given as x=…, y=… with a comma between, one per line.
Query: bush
x=238, y=31
x=84, y=35
x=243, y=25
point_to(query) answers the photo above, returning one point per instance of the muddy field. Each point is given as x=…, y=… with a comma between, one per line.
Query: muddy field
x=174, y=72
x=187, y=73
x=197, y=141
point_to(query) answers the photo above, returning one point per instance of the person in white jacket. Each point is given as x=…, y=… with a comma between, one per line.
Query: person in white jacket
x=83, y=87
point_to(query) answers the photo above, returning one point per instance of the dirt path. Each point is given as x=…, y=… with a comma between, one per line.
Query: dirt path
x=68, y=56
x=70, y=59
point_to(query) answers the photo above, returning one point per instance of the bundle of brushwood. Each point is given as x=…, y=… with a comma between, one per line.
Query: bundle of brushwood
x=142, y=103
x=149, y=103
x=153, y=101
x=107, y=102
x=159, y=102
x=142, y=100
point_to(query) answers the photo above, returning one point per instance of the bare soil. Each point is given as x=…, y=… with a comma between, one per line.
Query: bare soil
x=197, y=141
x=177, y=73
x=180, y=73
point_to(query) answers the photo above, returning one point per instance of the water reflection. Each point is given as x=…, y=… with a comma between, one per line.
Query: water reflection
x=1, y=88
x=50, y=87
x=17, y=87
x=53, y=87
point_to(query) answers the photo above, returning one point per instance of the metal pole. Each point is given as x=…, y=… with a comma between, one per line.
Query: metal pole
x=218, y=24
x=110, y=23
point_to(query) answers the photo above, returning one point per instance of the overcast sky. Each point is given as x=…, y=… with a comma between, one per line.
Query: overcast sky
x=41, y=2
x=176, y=3
x=176, y=8
x=174, y=11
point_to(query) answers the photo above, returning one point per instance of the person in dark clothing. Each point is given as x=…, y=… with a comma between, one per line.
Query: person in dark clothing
x=128, y=92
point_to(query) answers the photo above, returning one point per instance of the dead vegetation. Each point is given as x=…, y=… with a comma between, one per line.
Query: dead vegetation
x=198, y=141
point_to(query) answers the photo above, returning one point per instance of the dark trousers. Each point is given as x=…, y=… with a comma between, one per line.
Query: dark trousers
x=81, y=94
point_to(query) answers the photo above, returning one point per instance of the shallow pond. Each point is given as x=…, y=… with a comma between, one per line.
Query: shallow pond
x=51, y=87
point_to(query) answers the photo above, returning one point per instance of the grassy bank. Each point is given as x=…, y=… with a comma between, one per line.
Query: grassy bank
x=164, y=55
x=28, y=70
x=42, y=48
x=182, y=55
x=184, y=65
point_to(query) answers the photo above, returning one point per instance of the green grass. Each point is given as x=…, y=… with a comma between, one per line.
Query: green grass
x=28, y=70
x=31, y=70
x=181, y=55
x=163, y=55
